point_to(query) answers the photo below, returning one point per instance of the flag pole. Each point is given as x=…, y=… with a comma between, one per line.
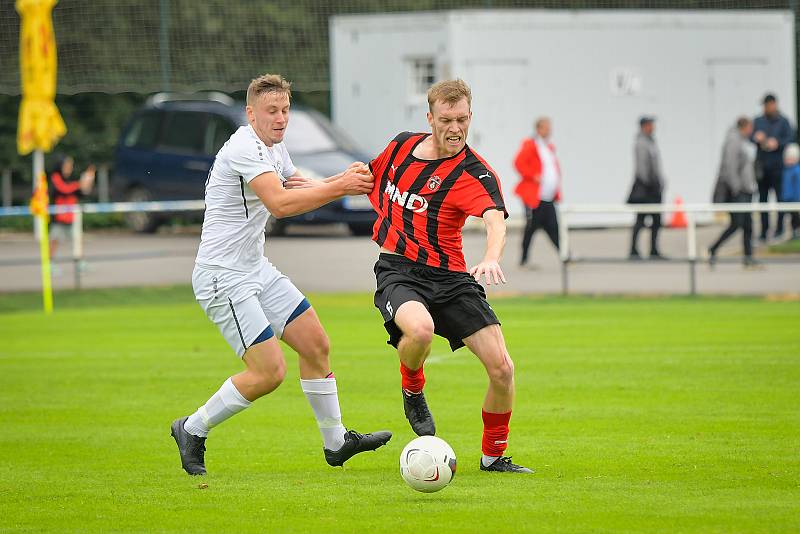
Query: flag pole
x=39, y=209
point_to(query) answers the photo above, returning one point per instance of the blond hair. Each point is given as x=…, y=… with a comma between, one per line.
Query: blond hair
x=450, y=92
x=268, y=83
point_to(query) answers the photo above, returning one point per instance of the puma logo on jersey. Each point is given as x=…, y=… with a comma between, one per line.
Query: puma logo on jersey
x=412, y=202
x=487, y=175
x=394, y=170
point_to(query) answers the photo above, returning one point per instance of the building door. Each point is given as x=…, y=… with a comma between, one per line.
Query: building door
x=736, y=86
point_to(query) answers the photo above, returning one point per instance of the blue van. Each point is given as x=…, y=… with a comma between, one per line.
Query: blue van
x=167, y=147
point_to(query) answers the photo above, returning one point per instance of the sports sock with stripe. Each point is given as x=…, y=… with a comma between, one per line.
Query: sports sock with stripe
x=413, y=380
x=495, y=433
x=323, y=397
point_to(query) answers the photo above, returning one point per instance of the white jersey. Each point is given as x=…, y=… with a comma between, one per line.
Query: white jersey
x=235, y=218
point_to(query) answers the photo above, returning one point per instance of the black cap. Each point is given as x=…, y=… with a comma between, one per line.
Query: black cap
x=769, y=97
x=646, y=119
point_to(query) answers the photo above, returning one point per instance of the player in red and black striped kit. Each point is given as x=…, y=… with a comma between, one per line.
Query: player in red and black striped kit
x=426, y=185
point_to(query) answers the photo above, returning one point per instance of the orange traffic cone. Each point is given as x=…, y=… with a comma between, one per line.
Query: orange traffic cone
x=678, y=216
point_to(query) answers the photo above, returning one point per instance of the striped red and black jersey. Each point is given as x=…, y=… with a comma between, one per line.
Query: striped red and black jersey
x=422, y=204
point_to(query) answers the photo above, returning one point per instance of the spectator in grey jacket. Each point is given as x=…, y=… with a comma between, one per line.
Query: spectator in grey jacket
x=648, y=184
x=771, y=132
x=736, y=183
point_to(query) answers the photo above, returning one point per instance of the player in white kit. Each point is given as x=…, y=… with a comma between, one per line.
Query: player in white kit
x=250, y=301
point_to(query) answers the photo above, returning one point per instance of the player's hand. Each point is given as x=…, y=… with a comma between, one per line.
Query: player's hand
x=772, y=144
x=300, y=182
x=759, y=137
x=491, y=270
x=355, y=181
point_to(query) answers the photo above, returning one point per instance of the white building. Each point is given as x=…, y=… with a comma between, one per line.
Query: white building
x=593, y=72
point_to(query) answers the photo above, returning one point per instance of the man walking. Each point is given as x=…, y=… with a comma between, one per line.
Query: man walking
x=736, y=183
x=539, y=186
x=648, y=186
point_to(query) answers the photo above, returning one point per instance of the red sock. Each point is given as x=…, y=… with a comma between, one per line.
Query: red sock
x=413, y=380
x=495, y=433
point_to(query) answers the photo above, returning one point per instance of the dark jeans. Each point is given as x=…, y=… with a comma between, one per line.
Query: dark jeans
x=655, y=226
x=738, y=220
x=771, y=178
x=544, y=216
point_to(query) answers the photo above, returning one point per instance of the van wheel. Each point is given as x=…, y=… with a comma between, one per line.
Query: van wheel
x=141, y=221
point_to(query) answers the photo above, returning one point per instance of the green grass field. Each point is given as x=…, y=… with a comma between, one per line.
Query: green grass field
x=637, y=414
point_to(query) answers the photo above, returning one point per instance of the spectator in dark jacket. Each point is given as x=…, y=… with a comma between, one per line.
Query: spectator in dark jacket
x=648, y=185
x=736, y=183
x=771, y=133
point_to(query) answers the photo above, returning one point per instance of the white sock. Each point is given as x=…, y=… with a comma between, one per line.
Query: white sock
x=222, y=405
x=324, y=400
x=488, y=460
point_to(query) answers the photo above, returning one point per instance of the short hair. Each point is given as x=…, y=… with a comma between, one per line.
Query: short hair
x=769, y=97
x=267, y=83
x=742, y=122
x=449, y=92
x=791, y=154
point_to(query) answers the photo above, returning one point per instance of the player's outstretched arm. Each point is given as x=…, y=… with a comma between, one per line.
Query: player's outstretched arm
x=297, y=181
x=283, y=202
x=495, y=241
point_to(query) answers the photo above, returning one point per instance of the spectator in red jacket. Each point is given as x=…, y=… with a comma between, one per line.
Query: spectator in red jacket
x=66, y=192
x=539, y=186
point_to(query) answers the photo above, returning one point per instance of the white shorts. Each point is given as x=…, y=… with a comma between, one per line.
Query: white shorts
x=243, y=305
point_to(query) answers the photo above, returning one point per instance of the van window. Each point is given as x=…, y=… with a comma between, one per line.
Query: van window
x=218, y=131
x=304, y=135
x=143, y=133
x=185, y=132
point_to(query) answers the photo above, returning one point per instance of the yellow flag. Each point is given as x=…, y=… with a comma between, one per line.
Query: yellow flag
x=40, y=123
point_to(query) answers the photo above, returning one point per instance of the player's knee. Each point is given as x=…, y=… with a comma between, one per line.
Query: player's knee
x=317, y=350
x=270, y=377
x=501, y=373
x=421, y=332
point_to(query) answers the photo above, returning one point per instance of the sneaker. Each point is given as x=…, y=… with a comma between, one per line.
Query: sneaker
x=505, y=465
x=355, y=443
x=712, y=258
x=634, y=256
x=656, y=256
x=418, y=414
x=191, y=448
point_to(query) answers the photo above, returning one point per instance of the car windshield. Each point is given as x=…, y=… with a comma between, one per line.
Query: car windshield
x=312, y=132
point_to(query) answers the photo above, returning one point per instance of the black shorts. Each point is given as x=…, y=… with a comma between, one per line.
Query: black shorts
x=455, y=300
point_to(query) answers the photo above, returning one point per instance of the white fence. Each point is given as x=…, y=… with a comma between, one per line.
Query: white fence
x=564, y=212
x=691, y=211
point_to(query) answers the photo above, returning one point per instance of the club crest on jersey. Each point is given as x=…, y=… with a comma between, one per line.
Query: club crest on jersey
x=412, y=202
x=434, y=183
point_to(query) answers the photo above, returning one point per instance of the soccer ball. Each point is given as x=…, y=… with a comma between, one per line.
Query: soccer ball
x=428, y=464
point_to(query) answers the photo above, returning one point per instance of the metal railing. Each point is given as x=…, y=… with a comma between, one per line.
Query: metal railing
x=564, y=211
x=104, y=207
x=691, y=211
